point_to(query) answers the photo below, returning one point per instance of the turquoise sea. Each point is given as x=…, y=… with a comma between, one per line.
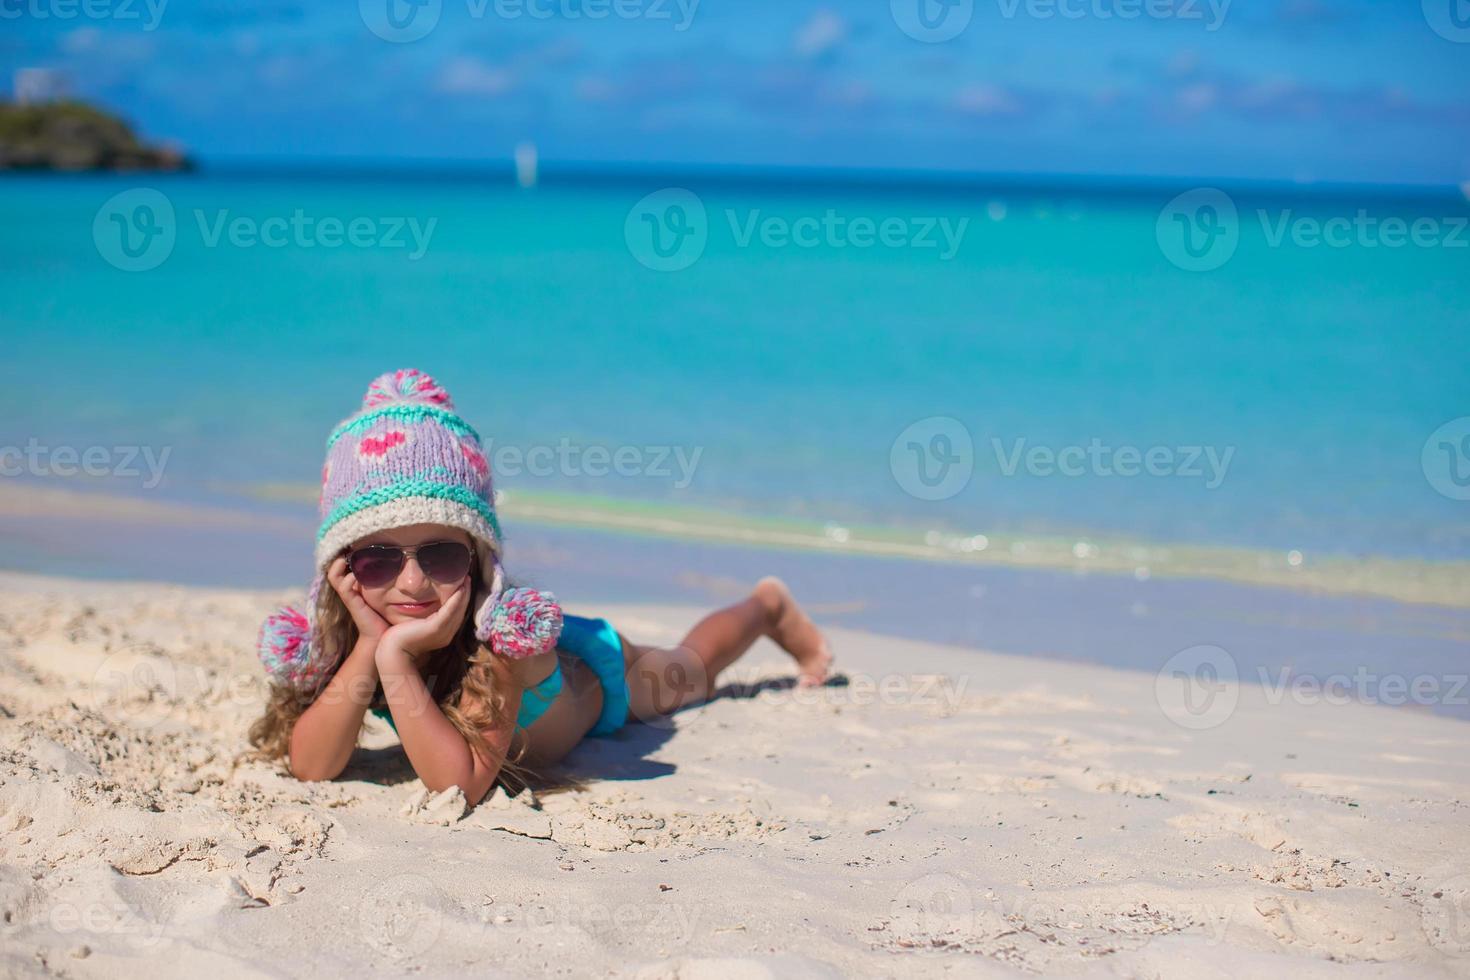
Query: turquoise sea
x=782, y=334
x=787, y=365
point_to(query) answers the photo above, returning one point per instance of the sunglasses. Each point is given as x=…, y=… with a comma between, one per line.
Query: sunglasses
x=377, y=565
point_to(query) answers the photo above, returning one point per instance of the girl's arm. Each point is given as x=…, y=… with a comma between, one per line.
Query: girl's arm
x=326, y=733
x=438, y=752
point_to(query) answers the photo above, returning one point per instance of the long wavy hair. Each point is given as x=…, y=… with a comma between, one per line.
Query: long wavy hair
x=464, y=667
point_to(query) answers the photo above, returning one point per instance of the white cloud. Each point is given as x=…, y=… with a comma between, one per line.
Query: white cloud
x=1267, y=92
x=823, y=32
x=284, y=71
x=1197, y=98
x=246, y=43
x=470, y=76
x=850, y=94
x=81, y=40
x=595, y=89
x=1184, y=63
x=986, y=100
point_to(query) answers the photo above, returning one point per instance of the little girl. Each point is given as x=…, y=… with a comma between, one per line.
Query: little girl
x=410, y=616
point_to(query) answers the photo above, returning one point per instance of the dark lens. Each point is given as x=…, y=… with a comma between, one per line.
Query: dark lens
x=375, y=567
x=445, y=561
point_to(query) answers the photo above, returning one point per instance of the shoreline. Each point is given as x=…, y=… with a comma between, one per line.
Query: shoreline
x=1289, y=639
x=1422, y=582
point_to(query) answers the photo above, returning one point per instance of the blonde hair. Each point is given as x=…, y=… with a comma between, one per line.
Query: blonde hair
x=465, y=667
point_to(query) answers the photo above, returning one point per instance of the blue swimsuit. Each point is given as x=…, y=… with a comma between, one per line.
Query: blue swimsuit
x=595, y=643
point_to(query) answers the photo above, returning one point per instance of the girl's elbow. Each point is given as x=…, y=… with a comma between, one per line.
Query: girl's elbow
x=477, y=783
x=309, y=773
x=478, y=790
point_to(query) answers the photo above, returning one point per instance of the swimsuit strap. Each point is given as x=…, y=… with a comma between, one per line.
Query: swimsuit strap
x=536, y=700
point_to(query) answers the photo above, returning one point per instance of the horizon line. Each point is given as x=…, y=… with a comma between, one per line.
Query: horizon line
x=585, y=172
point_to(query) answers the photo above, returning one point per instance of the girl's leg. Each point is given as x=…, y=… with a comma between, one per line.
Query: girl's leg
x=661, y=681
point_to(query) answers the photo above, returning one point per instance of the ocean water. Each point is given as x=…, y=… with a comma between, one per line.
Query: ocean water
x=901, y=356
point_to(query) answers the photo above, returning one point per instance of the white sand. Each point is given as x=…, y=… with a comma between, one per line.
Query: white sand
x=988, y=815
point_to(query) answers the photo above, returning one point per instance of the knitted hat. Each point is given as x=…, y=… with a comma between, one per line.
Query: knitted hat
x=406, y=458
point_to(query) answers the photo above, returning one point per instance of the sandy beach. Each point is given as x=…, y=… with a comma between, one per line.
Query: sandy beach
x=942, y=810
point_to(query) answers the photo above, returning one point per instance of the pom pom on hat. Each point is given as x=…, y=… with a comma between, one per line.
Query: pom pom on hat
x=523, y=623
x=285, y=646
x=406, y=385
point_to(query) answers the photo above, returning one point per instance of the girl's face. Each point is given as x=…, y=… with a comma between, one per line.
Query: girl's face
x=413, y=594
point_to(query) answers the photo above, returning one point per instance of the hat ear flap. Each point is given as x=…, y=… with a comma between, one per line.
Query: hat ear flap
x=494, y=577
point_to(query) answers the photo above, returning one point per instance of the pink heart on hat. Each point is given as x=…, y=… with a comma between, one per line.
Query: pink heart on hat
x=379, y=445
x=476, y=459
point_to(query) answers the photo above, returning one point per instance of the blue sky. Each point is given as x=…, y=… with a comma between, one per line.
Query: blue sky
x=1257, y=89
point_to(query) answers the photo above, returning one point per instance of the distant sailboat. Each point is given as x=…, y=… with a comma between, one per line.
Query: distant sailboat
x=526, y=164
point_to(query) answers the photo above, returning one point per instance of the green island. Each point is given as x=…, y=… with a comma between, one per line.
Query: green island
x=73, y=136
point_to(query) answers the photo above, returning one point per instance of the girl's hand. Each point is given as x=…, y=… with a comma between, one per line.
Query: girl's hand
x=421, y=637
x=370, y=626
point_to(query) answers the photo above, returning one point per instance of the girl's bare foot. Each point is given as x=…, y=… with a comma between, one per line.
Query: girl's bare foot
x=794, y=631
